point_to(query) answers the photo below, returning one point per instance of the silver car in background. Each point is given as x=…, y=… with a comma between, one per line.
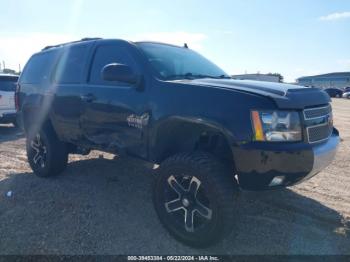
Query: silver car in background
x=346, y=95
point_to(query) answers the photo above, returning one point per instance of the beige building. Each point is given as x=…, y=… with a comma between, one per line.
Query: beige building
x=336, y=80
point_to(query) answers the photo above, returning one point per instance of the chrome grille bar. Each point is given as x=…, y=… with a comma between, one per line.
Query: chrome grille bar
x=324, y=128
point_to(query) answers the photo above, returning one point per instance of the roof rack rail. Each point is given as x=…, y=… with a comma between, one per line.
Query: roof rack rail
x=72, y=42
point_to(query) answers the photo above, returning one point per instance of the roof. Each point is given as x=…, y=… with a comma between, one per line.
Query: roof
x=73, y=42
x=336, y=74
x=160, y=43
x=102, y=39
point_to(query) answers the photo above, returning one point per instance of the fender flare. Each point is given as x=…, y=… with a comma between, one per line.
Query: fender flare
x=178, y=133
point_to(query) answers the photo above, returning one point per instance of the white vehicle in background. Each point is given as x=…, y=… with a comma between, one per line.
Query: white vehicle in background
x=346, y=95
x=7, y=98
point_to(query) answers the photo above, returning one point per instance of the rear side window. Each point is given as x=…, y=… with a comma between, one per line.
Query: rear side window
x=8, y=84
x=71, y=65
x=37, y=68
x=107, y=54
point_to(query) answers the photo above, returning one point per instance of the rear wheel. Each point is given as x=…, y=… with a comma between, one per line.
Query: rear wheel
x=47, y=155
x=195, y=197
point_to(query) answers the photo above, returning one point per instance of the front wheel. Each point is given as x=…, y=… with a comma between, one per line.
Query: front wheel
x=195, y=198
x=47, y=156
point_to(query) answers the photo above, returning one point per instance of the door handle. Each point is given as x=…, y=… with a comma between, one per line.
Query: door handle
x=88, y=98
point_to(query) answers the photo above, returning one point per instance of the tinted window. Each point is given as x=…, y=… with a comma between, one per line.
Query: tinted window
x=37, y=69
x=107, y=54
x=8, y=84
x=71, y=64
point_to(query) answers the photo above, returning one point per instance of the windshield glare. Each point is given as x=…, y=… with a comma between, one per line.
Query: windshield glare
x=172, y=62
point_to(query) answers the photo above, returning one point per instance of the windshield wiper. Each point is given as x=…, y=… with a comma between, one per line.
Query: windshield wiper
x=195, y=76
x=183, y=76
x=224, y=77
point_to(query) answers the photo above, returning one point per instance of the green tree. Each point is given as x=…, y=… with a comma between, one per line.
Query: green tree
x=280, y=77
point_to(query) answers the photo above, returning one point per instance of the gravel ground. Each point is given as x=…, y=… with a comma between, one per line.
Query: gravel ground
x=102, y=205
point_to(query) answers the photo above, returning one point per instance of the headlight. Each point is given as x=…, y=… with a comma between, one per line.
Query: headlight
x=277, y=126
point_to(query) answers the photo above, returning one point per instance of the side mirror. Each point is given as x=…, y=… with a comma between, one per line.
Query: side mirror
x=120, y=73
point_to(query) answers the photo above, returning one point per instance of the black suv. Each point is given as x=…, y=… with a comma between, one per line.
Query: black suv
x=210, y=135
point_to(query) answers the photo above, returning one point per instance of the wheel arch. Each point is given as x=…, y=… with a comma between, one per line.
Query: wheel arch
x=179, y=134
x=34, y=118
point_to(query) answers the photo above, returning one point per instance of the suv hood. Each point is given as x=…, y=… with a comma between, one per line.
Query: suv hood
x=286, y=96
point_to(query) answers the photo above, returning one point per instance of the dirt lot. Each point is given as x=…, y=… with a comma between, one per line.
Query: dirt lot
x=102, y=205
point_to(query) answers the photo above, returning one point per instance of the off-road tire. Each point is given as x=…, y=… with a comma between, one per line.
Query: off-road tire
x=56, y=152
x=218, y=185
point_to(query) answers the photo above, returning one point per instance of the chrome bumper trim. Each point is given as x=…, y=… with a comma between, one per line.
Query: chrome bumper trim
x=324, y=155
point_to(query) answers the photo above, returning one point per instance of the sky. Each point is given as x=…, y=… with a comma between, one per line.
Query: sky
x=295, y=38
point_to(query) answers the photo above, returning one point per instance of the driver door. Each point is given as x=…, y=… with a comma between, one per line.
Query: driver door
x=109, y=106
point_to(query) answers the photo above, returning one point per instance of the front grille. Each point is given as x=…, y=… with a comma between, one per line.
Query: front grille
x=319, y=133
x=319, y=123
x=312, y=113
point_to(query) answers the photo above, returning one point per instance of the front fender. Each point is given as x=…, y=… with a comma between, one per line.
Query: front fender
x=178, y=134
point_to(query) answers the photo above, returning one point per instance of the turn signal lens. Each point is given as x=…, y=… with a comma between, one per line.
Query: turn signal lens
x=259, y=132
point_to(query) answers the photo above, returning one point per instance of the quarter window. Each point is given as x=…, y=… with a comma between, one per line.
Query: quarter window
x=38, y=68
x=71, y=65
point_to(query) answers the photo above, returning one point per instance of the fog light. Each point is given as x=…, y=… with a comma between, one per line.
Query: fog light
x=276, y=181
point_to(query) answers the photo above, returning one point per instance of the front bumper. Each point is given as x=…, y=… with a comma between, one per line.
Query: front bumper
x=264, y=166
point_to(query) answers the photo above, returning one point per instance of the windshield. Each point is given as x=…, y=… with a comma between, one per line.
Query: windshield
x=8, y=84
x=172, y=62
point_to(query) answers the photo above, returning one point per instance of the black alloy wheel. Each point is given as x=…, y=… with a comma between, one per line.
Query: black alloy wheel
x=195, y=198
x=47, y=155
x=40, y=152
